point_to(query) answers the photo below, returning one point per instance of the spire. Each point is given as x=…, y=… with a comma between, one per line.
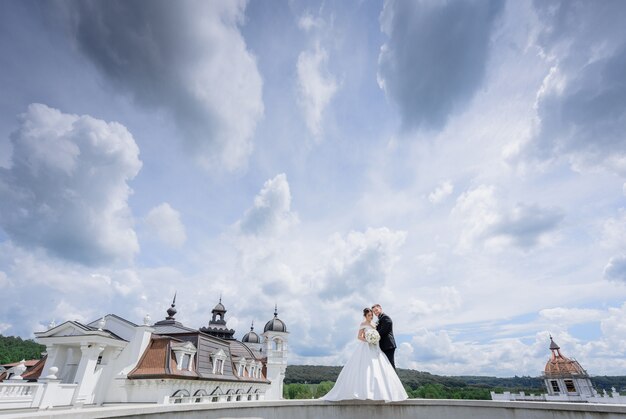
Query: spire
x=275, y=310
x=171, y=312
x=252, y=326
x=553, y=344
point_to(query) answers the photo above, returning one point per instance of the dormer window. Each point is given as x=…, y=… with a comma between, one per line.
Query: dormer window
x=241, y=367
x=186, y=361
x=184, y=355
x=219, y=358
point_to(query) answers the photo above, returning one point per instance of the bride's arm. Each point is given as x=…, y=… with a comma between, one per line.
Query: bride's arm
x=361, y=335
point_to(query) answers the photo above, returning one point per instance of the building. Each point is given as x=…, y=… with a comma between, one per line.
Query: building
x=566, y=381
x=113, y=360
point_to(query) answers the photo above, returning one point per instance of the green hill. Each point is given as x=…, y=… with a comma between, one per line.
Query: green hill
x=14, y=349
x=314, y=374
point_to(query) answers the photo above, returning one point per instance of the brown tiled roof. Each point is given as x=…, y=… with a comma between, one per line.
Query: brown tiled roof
x=29, y=363
x=159, y=361
x=35, y=372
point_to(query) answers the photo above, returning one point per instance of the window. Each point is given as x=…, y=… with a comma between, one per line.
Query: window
x=571, y=388
x=99, y=361
x=555, y=386
x=186, y=360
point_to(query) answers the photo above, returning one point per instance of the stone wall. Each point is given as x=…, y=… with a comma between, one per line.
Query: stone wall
x=314, y=409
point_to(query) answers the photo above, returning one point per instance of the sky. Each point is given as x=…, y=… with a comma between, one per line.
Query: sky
x=462, y=163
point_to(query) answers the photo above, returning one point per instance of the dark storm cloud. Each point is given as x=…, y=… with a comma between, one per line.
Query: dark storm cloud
x=435, y=58
x=188, y=58
x=582, y=103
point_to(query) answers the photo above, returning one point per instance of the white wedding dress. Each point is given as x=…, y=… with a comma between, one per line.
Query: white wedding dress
x=368, y=375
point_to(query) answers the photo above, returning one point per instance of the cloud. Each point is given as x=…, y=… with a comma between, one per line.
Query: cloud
x=189, y=59
x=435, y=58
x=525, y=225
x=570, y=316
x=447, y=300
x=614, y=232
x=441, y=192
x=616, y=269
x=581, y=106
x=271, y=212
x=360, y=263
x=66, y=190
x=164, y=221
x=486, y=220
x=316, y=86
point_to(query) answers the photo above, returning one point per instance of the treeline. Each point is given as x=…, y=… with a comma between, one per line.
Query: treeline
x=314, y=374
x=14, y=349
x=306, y=380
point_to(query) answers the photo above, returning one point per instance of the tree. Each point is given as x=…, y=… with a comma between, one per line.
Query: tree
x=14, y=349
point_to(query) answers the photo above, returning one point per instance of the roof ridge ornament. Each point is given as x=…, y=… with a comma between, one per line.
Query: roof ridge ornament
x=171, y=312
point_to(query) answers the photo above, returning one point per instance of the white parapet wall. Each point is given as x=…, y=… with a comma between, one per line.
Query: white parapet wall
x=20, y=395
x=295, y=409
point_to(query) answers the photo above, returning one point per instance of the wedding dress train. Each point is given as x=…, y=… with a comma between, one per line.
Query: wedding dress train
x=368, y=375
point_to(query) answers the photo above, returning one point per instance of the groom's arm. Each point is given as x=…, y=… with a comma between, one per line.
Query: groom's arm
x=384, y=325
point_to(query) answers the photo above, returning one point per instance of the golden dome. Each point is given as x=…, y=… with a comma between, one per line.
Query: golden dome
x=561, y=366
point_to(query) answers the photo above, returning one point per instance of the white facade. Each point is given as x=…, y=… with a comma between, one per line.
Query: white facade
x=90, y=365
x=276, y=350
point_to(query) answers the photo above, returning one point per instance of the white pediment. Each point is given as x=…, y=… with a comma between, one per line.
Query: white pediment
x=68, y=328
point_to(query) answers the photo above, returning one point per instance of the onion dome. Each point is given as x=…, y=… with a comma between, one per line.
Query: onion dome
x=561, y=366
x=251, y=336
x=276, y=324
x=219, y=308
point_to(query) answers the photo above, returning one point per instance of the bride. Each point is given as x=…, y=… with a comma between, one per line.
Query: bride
x=367, y=375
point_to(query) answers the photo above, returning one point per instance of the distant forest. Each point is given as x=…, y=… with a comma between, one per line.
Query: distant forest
x=14, y=349
x=426, y=385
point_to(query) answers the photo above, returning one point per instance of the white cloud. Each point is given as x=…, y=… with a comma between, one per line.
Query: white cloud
x=164, y=221
x=359, y=264
x=485, y=220
x=616, y=268
x=614, y=232
x=316, y=86
x=189, y=59
x=428, y=70
x=271, y=212
x=308, y=22
x=446, y=301
x=570, y=316
x=66, y=190
x=443, y=190
x=4, y=327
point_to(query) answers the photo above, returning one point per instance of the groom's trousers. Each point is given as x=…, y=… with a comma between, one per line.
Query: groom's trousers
x=389, y=353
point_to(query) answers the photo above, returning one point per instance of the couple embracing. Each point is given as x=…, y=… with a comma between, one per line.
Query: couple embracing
x=370, y=372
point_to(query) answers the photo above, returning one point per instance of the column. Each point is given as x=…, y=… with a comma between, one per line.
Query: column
x=85, y=374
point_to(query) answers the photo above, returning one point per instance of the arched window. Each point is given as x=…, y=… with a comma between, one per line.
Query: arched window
x=177, y=397
x=277, y=344
x=198, y=395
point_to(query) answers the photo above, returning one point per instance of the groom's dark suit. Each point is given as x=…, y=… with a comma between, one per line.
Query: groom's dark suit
x=387, y=342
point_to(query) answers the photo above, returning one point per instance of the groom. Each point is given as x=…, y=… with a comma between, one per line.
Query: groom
x=385, y=330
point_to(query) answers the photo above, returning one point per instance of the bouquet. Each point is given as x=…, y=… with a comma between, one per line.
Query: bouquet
x=372, y=337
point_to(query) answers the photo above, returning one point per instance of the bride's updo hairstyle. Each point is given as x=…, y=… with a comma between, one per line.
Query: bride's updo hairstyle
x=366, y=311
